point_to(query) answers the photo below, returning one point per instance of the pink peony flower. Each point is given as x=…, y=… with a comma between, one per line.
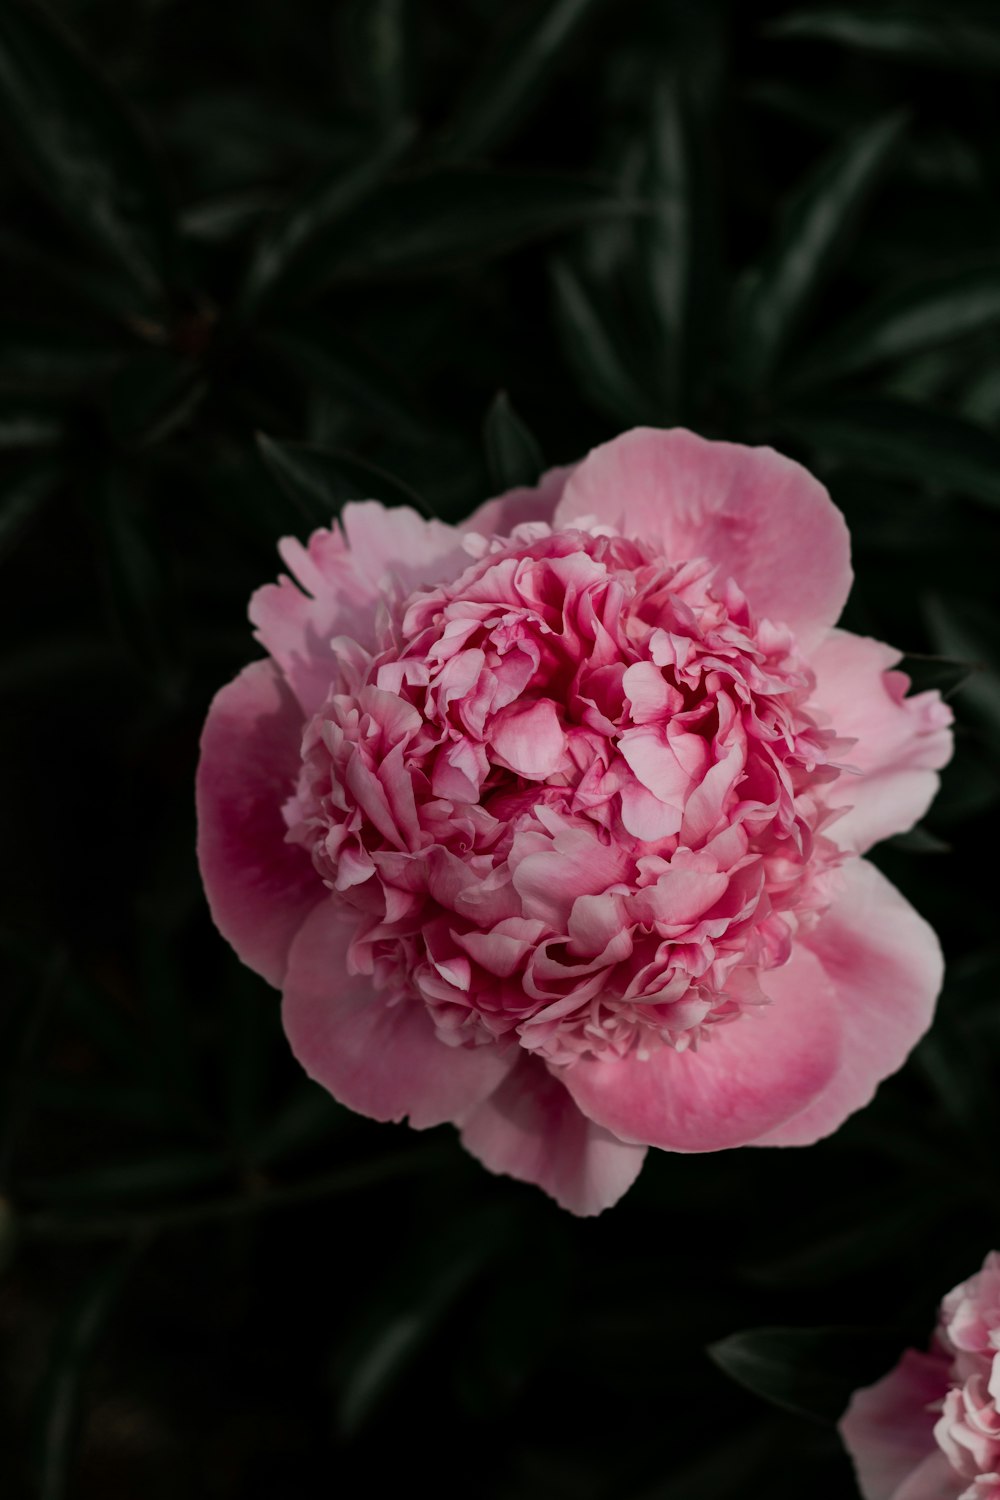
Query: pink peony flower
x=549, y=825
x=930, y=1429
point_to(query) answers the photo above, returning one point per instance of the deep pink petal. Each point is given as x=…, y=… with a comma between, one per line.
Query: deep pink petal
x=531, y=1129
x=764, y=519
x=259, y=888
x=340, y=578
x=885, y=966
x=382, y=1060
x=535, y=503
x=888, y=1430
x=900, y=742
x=750, y=1075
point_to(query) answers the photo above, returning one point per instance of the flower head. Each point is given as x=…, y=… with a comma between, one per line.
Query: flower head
x=549, y=825
x=930, y=1429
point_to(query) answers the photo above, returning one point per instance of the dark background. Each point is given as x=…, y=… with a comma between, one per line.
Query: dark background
x=351, y=226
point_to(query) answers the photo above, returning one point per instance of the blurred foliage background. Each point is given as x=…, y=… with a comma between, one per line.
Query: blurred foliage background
x=256, y=259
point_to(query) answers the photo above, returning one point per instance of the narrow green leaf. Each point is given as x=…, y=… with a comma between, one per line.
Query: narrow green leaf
x=819, y=222
x=76, y=138
x=24, y=494
x=59, y=1399
x=589, y=342
x=928, y=33
x=26, y=423
x=52, y=358
x=134, y=573
x=906, y=441
x=667, y=240
x=509, y=77
x=908, y=322
x=147, y=1177
x=809, y=1371
x=293, y=255
x=512, y=453
x=919, y=840
x=319, y=480
x=434, y=221
x=153, y=395
x=964, y=629
x=310, y=1115
x=338, y=366
x=389, y=1339
x=378, y=43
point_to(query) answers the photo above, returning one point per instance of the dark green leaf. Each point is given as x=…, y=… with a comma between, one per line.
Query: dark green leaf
x=819, y=222
x=52, y=358
x=79, y=144
x=925, y=33
x=507, y=80
x=809, y=1371
x=378, y=43
x=512, y=452
x=434, y=221
x=920, y=840
x=320, y=480
x=968, y=631
x=59, y=1400
x=147, y=1177
x=602, y=367
x=338, y=366
x=23, y=495
x=310, y=1116
x=134, y=572
x=427, y=1287
x=153, y=395
x=905, y=441
x=908, y=322
x=294, y=255
x=29, y=424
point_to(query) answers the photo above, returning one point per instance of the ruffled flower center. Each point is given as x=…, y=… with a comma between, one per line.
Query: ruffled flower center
x=968, y=1428
x=575, y=798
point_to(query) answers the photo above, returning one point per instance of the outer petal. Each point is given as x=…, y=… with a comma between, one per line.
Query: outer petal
x=888, y=1430
x=381, y=1060
x=764, y=519
x=749, y=1076
x=901, y=742
x=259, y=888
x=341, y=575
x=535, y=503
x=531, y=1129
x=885, y=966
x=934, y=1480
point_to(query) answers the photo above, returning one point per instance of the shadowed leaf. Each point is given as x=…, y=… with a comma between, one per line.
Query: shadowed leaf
x=925, y=33
x=594, y=354
x=512, y=452
x=319, y=480
x=809, y=1371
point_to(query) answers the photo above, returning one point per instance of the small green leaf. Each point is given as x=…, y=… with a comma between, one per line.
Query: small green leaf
x=294, y=255
x=434, y=221
x=904, y=441
x=819, y=221
x=512, y=453
x=809, y=1371
x=509, y=77
x=601, y=366
x=60, y=1396
x=908, y=322
x=76, y=138
x=24, y=493
x=319, y=480
x=928, y=33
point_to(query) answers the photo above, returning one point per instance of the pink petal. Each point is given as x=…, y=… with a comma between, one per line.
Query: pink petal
x=382, y=1060
x=259, y=888
x=885, y=966
x=499, y=517
x=887, y=1428
x=901, y=742
x=763, y=519
x=530, y=740
x=343, y=574
x=531, y=1129
x=751, y=1074
x=934, y=1480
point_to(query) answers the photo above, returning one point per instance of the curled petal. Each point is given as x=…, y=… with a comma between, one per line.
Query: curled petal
x=259, y=887
x=531, y=1129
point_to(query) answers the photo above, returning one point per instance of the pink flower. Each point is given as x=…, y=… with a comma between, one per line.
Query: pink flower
x=549, y=825
x=930, y=1429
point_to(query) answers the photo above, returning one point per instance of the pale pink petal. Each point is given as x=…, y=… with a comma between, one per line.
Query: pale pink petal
x=935, y=1479
x=888, y=1429
x=341, y=576
x=529, y=503
x=531, y=1129
x=385, y=1061
x=750, y=1074
x=900, y=742
x=259, y=887
x=530, y=740
x=762, y=518
x=885, y=966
